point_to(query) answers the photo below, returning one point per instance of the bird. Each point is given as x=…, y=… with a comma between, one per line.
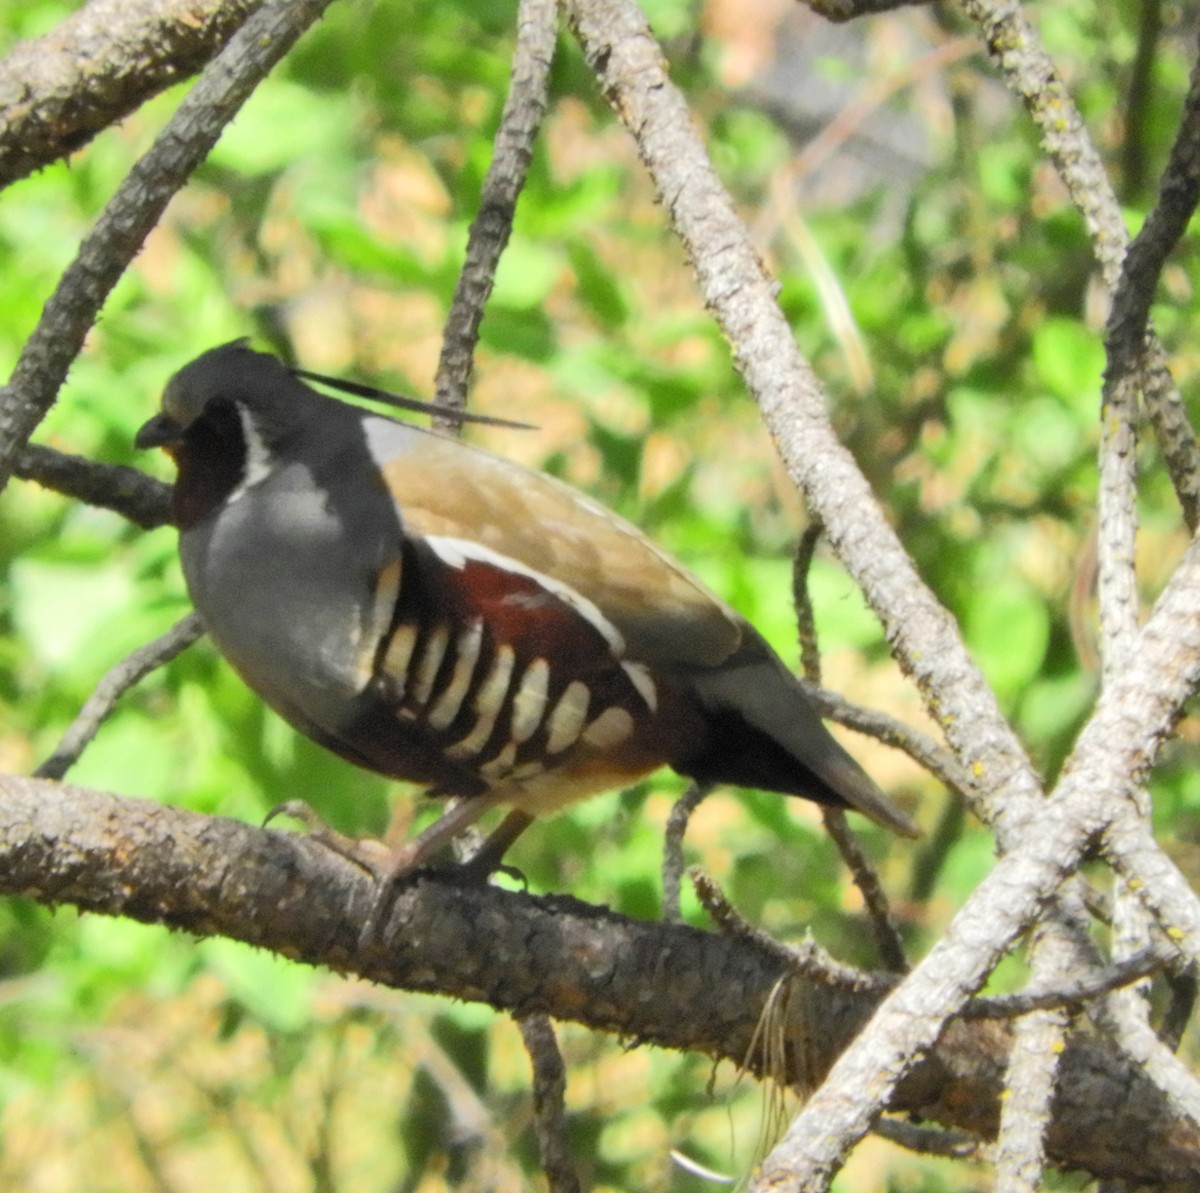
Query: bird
x=439, y=614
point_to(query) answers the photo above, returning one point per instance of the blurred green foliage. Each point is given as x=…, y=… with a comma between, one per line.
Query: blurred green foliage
x=330, y=223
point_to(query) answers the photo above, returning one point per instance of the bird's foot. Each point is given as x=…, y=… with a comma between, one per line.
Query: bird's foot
x=387, y=865
x=391, y=865
x=365, y=852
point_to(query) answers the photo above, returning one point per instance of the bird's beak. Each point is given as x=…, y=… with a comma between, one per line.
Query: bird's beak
x=161, y=431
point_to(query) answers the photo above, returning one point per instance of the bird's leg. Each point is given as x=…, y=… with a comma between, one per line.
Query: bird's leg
x=410, y=855
x=407, y=856
x=389, y=863
x=488, y=857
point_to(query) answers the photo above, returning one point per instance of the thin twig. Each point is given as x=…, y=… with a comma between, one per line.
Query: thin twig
x=549, y=1109
x=1029, y=70
x=1062, y=953
x=883, y=924
x=513, y=150
x=1039, y=1041
x=673, y=862
x=114, y=684
x=888, y=941
x=1179, y=191
x=807, y=960
x=955, y=1145
x=806, y=622
x=135, y=209
x=920, y=747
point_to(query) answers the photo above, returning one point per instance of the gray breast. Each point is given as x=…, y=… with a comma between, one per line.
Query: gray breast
x=285, y=583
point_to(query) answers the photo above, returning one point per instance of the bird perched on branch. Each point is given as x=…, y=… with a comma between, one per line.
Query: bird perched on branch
x=438, y=614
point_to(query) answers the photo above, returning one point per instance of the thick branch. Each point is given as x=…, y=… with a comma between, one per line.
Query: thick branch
x=100, y=64
x=523, y=954
x=135, y=209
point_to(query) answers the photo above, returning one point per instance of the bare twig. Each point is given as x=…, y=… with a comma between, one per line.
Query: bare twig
x=1029, y=1082
x=1014, y=45
x=134, y=210
x=918, y=746
x=1179, y=191
x=519, y=123
x=887, y=936
x=806, y=622
x=97, y=66
x=1176, y=438
x=1016, y=49
x=1131, y=849
x=550, y=1113
x=673, y=861
x=808, y=960
x=145, y=501
x=115, y=683
x=888, y=941
x=1072, y=994
x=955, y=1145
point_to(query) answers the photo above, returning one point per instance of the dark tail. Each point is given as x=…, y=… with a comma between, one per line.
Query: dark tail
x=765, y=734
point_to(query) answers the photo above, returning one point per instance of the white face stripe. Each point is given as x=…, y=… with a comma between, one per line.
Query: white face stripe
x=446, y=707
x=258, y=458
x=431, y=661
x=567, y=718
x=489, y=700
x=529, y=704
x=456, y=552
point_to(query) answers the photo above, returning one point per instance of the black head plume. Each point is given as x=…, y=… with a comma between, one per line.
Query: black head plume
x=359, y=390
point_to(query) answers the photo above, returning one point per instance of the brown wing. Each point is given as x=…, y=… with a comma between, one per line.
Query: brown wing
x=664, y=613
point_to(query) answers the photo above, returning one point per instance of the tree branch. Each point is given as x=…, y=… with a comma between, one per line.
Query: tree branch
x=549, y=1102
x=112, y=686
x=97, y=66
x=552, y=955
x=146, y=502
x=1015, y=47
x=524, y=109
x=135, y=209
